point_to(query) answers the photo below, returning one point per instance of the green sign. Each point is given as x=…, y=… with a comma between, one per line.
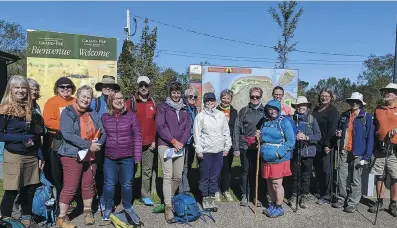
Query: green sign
x=43, y=44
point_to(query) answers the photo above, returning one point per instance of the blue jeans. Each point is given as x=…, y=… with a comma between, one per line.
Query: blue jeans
x=114, y=170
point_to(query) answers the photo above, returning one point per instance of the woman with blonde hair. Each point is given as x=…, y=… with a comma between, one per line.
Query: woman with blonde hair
x=21, y=163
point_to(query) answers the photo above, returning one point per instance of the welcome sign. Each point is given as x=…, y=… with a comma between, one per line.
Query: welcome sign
x=82, y=58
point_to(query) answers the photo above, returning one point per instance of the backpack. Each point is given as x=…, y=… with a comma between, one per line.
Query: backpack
x=133, y=102
x=98, y=104
x=186, y=209
x=10, y=223
x=310, y=122
x=44, y=202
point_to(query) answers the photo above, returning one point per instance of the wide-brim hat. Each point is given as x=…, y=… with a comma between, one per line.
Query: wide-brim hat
x=390, y=86
x=301, y=100
x=107, y=80
x=358, y=97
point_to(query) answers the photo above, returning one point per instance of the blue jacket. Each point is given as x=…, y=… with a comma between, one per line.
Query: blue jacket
x=277, y=136
x=310, y=130
x=363, y=138
x=103, y=109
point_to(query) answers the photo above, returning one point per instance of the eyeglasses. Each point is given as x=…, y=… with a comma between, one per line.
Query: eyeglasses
x=65, y=86
x=255, y=97
x=143, y=85
x=192, y=97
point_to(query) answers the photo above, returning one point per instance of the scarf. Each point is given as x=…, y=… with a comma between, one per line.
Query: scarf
x=175, y=105
x=18, y=108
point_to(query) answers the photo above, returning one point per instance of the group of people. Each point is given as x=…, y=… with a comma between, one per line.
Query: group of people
x=86, y=146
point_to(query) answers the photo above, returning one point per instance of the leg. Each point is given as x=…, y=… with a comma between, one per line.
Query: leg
x=225, y=174
x=295, y=173
x=327, y=170
x=307, y=167
x=205, y=163
x=278, y=190
x=343, y=176
x=27, y=195
x=177, y=166
x=111, y=173
x=7, y=202
x=357, y=170
x=244, y=173
x=214, y=171
x=252, y=157
x=147, y=170
x=126, y=178
x=56, y=172
x=88, y=190
x=167, y=175
x=184, y=183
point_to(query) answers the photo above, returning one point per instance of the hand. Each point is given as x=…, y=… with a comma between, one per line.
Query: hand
x=41, y=164
x=327, y=150
x=339, y=133
x=152, y=146
x=200, y=156
x=95, y=147
x=363, y=162
x=178, y=146
x=236, y=153
x=225, y=153
x=301, y=136
x=258, y=134
x=28, y=143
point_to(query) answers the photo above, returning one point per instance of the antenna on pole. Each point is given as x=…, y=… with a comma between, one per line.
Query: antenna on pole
x=127, y=29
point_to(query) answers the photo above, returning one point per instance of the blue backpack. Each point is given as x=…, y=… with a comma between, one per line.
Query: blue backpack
x=186, y=209
x=44, y=202
x=10, y=223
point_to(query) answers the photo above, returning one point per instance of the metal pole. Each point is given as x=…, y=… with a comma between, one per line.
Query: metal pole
x=128, y=25
x=395, y=59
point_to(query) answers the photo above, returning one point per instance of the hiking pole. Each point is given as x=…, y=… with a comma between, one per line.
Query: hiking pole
x=95, y=188
x=299, y=176
x=337, y=164
x=257, y=172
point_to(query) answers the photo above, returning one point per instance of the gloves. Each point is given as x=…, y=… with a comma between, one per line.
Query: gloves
x=363, y=162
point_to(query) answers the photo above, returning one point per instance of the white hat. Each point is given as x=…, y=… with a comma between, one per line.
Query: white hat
x=389, y=86
x=143, y=79
x=301, y=100
x=357, y=96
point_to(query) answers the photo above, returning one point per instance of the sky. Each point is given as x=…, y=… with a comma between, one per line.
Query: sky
x=358, y=28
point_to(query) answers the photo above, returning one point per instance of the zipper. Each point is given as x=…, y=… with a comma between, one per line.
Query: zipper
x=117, y=136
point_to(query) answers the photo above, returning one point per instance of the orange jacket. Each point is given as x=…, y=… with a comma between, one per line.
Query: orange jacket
x=385, y=120
x=52, y=111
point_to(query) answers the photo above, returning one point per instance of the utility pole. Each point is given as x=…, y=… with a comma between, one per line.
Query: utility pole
x=395, y=59
x=127, y=29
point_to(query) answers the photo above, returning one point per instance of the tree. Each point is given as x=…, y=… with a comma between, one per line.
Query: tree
x=125, y=68
x=302, y=86
x=287, y=21
x=13, y=40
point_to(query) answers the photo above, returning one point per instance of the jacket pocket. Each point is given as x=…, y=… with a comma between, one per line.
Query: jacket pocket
x=269, y=154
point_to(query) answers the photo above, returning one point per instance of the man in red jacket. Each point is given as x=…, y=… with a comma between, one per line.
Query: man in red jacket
x=143, y=105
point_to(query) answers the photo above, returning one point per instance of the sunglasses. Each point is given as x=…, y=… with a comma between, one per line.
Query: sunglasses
x=255, y=97
x=65, y=87
x=143, y=85
x=193, y=97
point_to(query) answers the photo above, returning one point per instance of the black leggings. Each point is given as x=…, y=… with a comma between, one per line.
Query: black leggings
x=25, y=199
x=225, y=176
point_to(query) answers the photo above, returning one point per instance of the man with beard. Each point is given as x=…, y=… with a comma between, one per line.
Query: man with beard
x=144, y=106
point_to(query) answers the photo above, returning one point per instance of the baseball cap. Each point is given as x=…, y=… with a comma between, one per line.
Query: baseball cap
x=143, y=79
x=209, y=96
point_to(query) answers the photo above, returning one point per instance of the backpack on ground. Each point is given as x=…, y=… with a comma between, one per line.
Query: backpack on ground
x=10, y=223
x=45, y=204
x=186, y=209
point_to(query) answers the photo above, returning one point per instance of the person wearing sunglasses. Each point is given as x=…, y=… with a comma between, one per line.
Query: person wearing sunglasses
x=64, y=88
x=191, y=96
x=144, y=106
x=245, y=144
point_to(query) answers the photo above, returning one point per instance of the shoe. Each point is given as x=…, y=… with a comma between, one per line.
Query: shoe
x=393, y=209
x=374, y=207
x=337, y=204
x=204, y=203
x=350, y=209
x=212, y=204
x=292, y=202
x=88, y=217
x=259, y=204
x=147, y=201
x=322, y=201
x=228, y=196
x=244, y=200
x=63, y=222
x=270, y=208
x=106, y=216
x=303, y=201
x=101, y=203
x=276, y=212
x=218, y=197
x=169, y=214
x=132, y=218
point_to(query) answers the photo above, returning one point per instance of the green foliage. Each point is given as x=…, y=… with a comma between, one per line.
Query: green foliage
x=302, y=86
x=287, y=20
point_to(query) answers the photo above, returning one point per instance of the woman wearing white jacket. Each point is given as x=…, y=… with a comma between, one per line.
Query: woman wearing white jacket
x=212, y=141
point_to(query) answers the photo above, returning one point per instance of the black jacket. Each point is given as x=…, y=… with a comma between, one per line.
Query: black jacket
x=232, y=120
x=328, y=121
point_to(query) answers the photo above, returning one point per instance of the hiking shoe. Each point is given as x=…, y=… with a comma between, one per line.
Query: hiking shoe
x=244, y=200
x=350, y=209
x=276, y=212
x=63, y=222
x=101, y=203
x=322, y=201
x=337, y=204
x=106, y=216
x=205, y=204
x=270, y=208
x=88, y=217
x=303, y=201
x=374, y=207
x=292, y=202
x=393, y=209
x=228, y=196
x=132, y=217
x=212, y=204
x=218, y=197
x=169, y=215
x=147, y=201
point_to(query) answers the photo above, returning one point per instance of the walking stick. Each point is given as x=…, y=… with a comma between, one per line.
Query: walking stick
x=336, y=167
x=382, y=182
x=299, y=176
x=257, y=172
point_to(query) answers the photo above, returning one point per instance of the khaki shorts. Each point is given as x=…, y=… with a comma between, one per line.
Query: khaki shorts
x=391, y=166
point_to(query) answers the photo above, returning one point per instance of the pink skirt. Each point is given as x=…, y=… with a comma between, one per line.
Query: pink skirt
x=276, y=171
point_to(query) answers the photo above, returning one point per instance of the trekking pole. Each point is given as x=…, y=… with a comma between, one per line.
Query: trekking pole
x=337, y=164
x=95, y=188
x=257, y=172
x=298, y=176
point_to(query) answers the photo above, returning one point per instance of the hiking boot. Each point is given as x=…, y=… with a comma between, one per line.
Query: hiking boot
x=212, y=204
x=303, y=201
x=374, y=207
x=132, y=217
x=169, y=215
x=322, y=201
x=228, y=196
x=393, y=209
x=88, y=217
x=244, y=200
x=218, y=197
x=277, y=211
x=63, y=222
x=338, y=204
x=205, y=203
x=350, y=209
x=292, y=202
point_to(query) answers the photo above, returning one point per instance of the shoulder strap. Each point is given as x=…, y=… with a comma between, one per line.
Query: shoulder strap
x=310, y=119
x=98, y=104
x=132, y=104
x=364, y=123
x=5, y=123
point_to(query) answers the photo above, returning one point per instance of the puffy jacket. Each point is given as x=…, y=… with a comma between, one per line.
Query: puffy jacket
x=277, y=136
x=363, y=137
x=311, y=130
x=211, y=132
x=123, y=136
x=70, y=130
x=169, y=127
x=246, y=125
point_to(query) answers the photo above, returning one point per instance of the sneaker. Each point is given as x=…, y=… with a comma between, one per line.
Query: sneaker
x=101, y=203
x=88, y=217
x=270, y=208
x=303, y=201
x=147, y=201
x=292, y=202
x=212, y=204
x=322, y=201
x=350, y=209
x=106, y=216
x=218, y=197
x=374, y=207
x=205, y=204
x=338, y=204
x=276, y=212
x=244, y=200
x=393, y=209
x=228, y=196
x=132, y=218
